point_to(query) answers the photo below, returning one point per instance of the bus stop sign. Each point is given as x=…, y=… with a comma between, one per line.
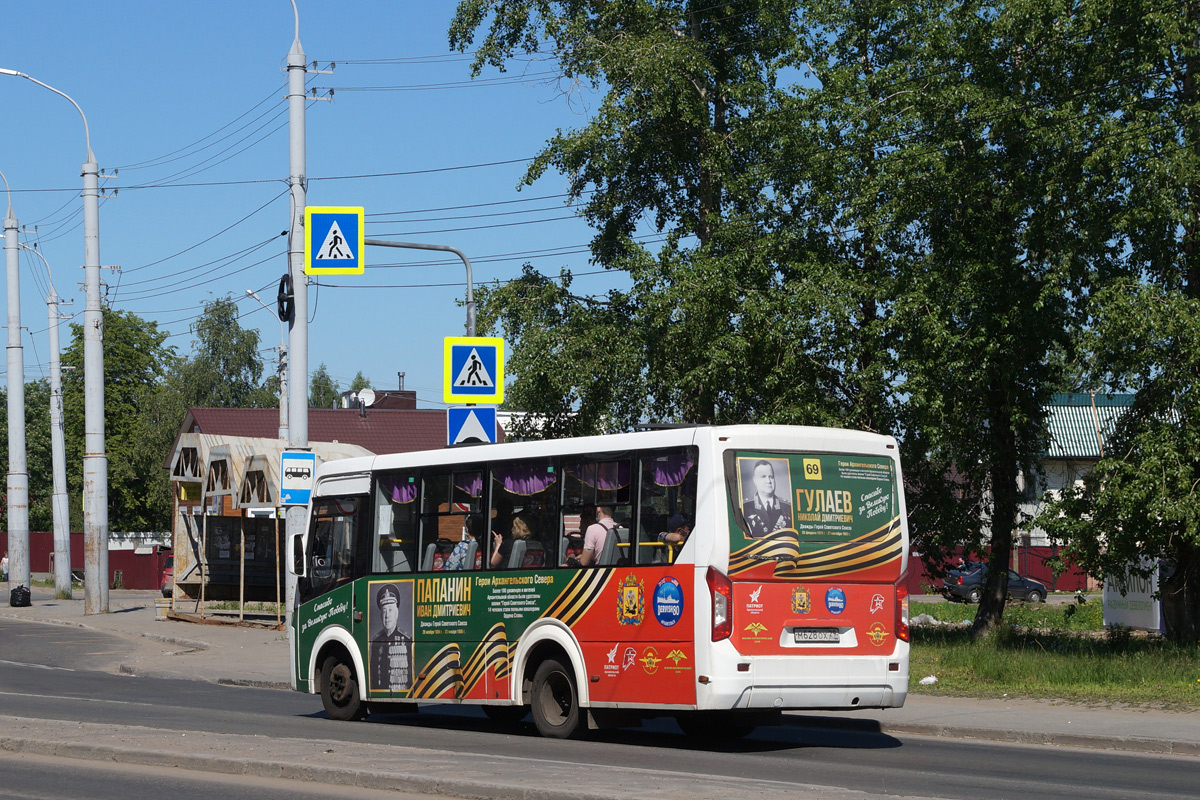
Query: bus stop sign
x=296, y=468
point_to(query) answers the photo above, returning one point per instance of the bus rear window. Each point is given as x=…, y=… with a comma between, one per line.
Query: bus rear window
x=808, y=497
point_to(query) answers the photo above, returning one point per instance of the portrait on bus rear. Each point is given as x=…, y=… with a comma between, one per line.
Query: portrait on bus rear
x=766, y=487
x=391, y=626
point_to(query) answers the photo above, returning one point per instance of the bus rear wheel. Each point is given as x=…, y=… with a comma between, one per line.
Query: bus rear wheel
x=555, y=701
x=339, y=690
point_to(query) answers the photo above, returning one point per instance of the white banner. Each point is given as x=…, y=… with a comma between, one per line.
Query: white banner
x=1137, y=607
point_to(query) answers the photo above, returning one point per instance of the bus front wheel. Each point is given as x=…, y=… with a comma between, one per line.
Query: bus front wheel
x=339, y=690
x=555, y=701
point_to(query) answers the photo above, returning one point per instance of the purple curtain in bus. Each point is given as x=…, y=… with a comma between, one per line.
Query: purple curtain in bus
x=524, y=479
x=605, y=475
x=670, y=470
x=469, y=482
x=400, y=489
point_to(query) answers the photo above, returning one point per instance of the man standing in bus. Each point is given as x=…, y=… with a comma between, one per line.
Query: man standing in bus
x=391, y=647
x=595, y=536
x=764, y=511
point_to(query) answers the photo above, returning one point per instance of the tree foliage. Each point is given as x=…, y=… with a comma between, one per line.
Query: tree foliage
x=148, y=389
x=893, y=216
x=323, y=391
x=224, y=371
x=1142, y=498
x=136, y=361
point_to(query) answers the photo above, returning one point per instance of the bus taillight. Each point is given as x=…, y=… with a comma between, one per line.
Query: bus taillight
x=902, y=610
x=722, y=604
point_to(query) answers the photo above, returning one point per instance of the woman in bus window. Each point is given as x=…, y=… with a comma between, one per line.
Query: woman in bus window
x=472, y=527
x=523, y=527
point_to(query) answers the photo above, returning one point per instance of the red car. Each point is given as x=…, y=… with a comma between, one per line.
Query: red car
x=167, y=581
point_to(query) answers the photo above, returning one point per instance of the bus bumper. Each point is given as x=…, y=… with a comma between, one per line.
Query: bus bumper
x=809, y=682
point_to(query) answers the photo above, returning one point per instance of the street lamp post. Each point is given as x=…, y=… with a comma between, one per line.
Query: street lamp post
x=283, y=381
x=95, y=461
x=18, y=473
x=59, y=506
x=441, y=248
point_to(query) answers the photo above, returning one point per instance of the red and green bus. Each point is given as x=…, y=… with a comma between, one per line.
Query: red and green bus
x=452, y=577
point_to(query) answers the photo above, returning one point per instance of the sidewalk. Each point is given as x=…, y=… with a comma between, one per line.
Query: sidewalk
x=255, y=656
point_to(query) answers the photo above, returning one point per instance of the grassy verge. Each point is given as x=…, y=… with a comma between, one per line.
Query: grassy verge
x=1053, y=652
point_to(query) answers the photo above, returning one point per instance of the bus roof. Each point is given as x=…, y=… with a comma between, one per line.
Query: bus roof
x=765, y=437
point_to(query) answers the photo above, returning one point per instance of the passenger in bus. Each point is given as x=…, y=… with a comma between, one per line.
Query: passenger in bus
x=472, y=530
x=677, y=530
x=594, y=538
x=764, y=511
x=523, y=527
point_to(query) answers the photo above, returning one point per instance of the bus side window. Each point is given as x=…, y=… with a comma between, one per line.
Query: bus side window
x=524, y=512
x=668, y=492
x=592, y=484
x=452, y=496
x=395, y=523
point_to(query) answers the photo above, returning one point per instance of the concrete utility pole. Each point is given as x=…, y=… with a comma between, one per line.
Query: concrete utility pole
x=18, y=474
x=443, y=248
x=59, y=505
x=298, y=326
x=58, y=501
x=95, y=462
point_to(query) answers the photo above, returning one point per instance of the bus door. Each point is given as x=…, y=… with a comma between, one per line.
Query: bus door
x=338, y=530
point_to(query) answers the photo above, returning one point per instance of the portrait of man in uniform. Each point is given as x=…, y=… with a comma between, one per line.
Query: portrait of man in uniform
x=391, y=637
x=766, y=485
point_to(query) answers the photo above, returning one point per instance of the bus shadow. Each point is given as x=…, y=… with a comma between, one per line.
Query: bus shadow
x=795, y=733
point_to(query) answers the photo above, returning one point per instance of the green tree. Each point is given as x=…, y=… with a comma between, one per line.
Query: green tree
x=1143, y=499
x=224, y=369
x=359, y=382
x=673, y=144
x=136, y=358
x=323, y=391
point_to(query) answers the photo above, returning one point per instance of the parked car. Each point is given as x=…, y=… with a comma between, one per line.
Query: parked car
x=967, y=583
x=167, y=580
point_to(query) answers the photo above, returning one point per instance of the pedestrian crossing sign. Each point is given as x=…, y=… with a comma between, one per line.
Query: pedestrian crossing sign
x=474, y=369
x=333, y=240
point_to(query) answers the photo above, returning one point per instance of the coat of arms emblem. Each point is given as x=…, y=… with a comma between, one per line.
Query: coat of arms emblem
x=631, y=601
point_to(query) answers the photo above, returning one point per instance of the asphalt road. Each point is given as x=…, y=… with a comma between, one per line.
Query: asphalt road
x=26, y=777
x=46, y=676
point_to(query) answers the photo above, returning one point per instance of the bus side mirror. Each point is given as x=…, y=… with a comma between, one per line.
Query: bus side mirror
x=298, y=555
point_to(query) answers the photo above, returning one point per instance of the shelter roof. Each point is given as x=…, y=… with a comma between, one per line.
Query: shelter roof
x=379, y=430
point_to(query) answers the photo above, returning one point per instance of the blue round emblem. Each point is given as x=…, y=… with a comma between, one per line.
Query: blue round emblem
x=835, y=600
x=668, y=602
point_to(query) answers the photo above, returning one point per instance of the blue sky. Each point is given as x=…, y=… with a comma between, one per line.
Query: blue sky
x=185, y=102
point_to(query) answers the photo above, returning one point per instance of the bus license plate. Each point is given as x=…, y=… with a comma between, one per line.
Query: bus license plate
x=821, y=635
